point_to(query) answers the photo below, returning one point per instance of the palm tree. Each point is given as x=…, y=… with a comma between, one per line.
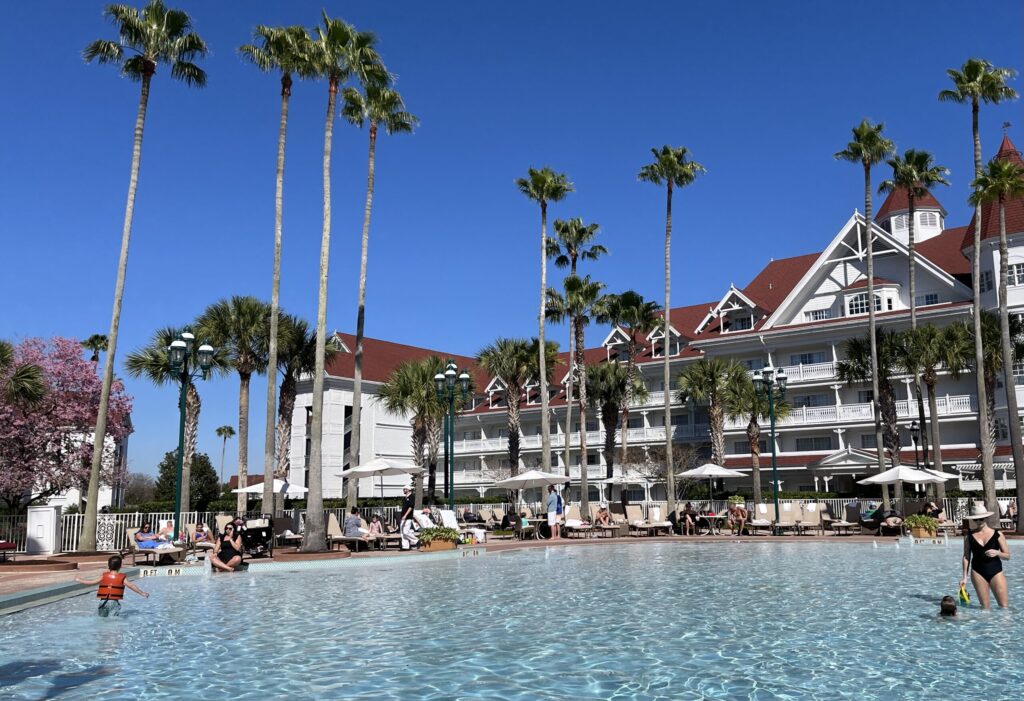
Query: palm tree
x=381, y=105
x=572, y=242
x=410, y=390
x=96, y=343
x=856, y=369
x=153, y=363
x=1003, y=180
x=992, y=363
x=916, y=175
x=339, y=53
x=509, y=360
x=224, y=433
x=582, y=303
x=238, y=327
x=925, y=351
x=742, y=401
x=154, y=36
x=637, y=318
x=283, y=50
x=672, y=169
x=609, y=386
x=870, y=148
x=25, y=384
x=543, y=186
x=707, y=381
x=979, y=81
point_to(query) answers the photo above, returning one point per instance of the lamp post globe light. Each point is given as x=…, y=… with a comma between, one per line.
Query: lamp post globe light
x=772, y=384
x=915, y=436
x=179, y=355
x=445, y=386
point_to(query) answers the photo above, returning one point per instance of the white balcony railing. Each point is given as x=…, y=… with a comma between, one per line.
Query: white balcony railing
x=949, y=405
x=812, y=371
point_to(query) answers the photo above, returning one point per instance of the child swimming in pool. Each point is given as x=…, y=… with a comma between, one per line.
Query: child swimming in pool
x=112, y=585
x=947, y=607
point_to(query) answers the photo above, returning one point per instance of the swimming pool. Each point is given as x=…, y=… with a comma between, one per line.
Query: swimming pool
x=734, y=620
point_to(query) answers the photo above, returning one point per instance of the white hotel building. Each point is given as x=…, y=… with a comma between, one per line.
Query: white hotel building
x=796, y=313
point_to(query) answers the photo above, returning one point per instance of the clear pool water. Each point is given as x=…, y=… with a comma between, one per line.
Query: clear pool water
x=638, y=621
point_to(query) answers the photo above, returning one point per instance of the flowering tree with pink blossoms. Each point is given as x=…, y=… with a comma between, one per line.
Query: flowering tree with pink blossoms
x=46, y=444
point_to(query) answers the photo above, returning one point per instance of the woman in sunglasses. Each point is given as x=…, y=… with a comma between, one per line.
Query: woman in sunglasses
x=228, y=553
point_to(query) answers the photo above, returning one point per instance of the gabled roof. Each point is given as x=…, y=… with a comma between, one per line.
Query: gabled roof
x=716, y=311
x=898, y=201
x=944, y=251
x=990, y=210
x=380, y=358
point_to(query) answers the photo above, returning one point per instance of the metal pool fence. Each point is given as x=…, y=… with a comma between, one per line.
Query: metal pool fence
x=14, y=527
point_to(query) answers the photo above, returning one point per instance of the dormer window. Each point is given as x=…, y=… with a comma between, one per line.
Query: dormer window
x=929, y=219
x=900, y=222
x=858, y=304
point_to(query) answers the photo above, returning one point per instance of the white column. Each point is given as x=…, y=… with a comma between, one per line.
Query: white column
x=836, y=388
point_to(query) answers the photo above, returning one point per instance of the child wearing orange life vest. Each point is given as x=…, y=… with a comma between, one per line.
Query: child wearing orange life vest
x=111, y=590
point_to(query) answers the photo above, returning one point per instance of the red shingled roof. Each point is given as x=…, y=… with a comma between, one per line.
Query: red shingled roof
x=897, y=201
x=778, y=279
x=990, y=210
x=380, y=358
x=944, y=250
x=685, y=319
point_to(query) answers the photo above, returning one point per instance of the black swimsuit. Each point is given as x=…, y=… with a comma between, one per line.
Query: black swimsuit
x=227, y=550
x=987, y=567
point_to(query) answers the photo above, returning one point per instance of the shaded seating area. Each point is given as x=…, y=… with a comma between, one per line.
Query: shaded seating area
x=150, y=556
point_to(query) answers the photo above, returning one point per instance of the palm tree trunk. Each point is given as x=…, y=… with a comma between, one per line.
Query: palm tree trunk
x=275, y=300
x=315, y=539
x=513, y=432
x=988, y=446
x=223, y=451
x=568, y=401
x=545, y=426
x=754, y=438
x=1009, y=381
x=434, y=437
x=243, y=437
x=940, y=487
x=87, y=540
x=419, y=442
x=876, y=406
x=670, y=478
x=581, y=364
x=285, y=411
x=630, y=375
x=357, y=377
x=192, y=407
x=716, y=416
x=609, y=417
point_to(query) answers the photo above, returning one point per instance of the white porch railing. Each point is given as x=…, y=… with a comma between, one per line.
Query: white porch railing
x=812, y=371
x=949, y=405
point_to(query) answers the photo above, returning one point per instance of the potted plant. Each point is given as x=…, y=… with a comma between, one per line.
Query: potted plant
x=921, y=526
x=438, y=538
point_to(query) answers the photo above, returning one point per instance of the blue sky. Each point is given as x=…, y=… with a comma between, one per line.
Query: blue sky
x=761, y=93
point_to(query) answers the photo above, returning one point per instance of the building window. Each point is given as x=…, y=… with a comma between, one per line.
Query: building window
x=1015, y=274
x=814, y=443
x=744, y=446
x=865, y=396
x=680, y=419
x=591, y=425
x=1000, y=430
x=740, y=323
x=1018, y=373
x=807, y=358
x=858, y=304
x=867, y=440
x=471, y=435
x=637, y=422
x=929, y=219
x=986, y=281
x=501, y=433
x=806, y=400
x=592, y=459
x=931, y=298
x=755, y=364
x=901, y=221
x=818, y=315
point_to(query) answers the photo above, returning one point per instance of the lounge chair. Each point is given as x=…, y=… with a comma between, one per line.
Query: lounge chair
x=612, y=530
x=222, y=520
x=497, y=516
x=448, y=520
x=761, y=518
x=640, y=526
x=786, y=520
x=283, y=532
x=335, y=536
x=810, y=519
x=575, y=526
x=152, y=555
x=522, y=529
x=190, y=529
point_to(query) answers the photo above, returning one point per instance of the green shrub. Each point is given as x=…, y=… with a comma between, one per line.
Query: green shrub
x=440, y=534
x=921, y=521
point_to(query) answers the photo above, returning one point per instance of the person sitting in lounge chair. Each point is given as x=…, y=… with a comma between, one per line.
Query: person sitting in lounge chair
x=737, y=518
x=688, y=520
x=603, y=518
x=203, y=537
x=932, y=510
x=376, y=526
x=146, y=538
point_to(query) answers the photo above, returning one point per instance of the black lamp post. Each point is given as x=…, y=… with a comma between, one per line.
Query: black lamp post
x=444, y=383
x=915, y=436
x=772, y=383
x=179, y=355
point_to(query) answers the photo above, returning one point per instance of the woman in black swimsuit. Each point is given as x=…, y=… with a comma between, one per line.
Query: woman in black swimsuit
x=228, y=553
x=984, y=550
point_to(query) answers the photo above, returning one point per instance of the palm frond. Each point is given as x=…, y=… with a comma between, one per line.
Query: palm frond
x=103, y=51
x=190, y=73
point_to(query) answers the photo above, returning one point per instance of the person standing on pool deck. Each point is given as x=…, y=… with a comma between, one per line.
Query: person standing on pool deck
x=408, y=505
x=112, y=585
x=552, y=505
x=984, y=550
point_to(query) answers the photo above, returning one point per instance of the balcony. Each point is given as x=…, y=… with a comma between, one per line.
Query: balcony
x=949, y=405
x=813, y=371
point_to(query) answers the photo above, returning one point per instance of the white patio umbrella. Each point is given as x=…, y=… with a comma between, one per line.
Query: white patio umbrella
x=280, y=487
x=905, y=473
x=381, y=467
x=710, y=471
x=531, y=478
x=623, y=480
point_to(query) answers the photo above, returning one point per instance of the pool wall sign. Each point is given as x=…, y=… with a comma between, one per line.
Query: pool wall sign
x=166, y=571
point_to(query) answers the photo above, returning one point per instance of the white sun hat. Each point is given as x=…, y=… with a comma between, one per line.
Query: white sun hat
x=978, y=512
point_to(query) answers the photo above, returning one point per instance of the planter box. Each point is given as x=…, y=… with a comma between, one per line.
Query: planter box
x=919, y=532
x=437, y=545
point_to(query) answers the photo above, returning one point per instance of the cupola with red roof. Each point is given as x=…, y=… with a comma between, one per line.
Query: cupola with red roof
x=893, y=216
x=990, y=210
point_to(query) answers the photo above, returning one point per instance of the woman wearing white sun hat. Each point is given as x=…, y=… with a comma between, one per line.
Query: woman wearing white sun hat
x=984, y=550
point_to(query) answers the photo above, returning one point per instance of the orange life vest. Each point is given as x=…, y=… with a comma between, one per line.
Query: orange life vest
x=111, y=586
